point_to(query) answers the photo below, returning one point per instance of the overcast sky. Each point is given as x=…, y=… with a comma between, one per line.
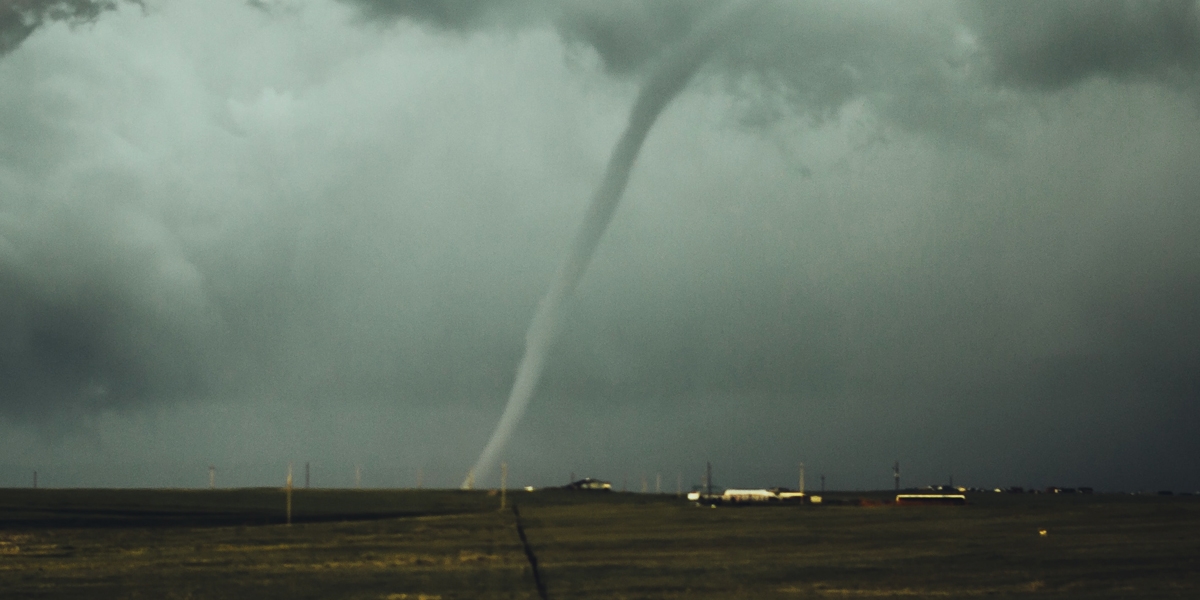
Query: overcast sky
x=958, y=235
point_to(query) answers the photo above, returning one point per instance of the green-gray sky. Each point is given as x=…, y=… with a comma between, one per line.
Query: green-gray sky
x=961, y=235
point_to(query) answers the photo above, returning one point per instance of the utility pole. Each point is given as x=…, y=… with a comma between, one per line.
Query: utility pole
x=822, y=483
x=35, y=479
x=572, y=477
x=896, y=474
x=801, y=489
x=503, y=484
x=288, y=488
x=307, y=474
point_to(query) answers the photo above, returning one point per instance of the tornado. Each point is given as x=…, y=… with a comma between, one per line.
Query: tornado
x=668, y=77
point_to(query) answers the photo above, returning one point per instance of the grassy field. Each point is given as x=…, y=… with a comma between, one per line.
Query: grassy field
x=451, y=544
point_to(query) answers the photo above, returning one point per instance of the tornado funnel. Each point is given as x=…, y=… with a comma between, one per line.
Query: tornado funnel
x=669, y=76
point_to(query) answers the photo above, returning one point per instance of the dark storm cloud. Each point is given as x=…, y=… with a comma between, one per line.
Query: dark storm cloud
x=302, y=220
x=1054, y=44
x=20, y=18
x=101, y=310
x=625, y=34
x=456, y=14
x=813, y=57
x=798, y=57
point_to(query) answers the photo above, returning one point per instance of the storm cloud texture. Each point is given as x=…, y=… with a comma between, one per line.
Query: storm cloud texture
x=961, y=235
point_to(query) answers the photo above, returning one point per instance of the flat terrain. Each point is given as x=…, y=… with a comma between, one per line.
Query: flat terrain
x=450, y=544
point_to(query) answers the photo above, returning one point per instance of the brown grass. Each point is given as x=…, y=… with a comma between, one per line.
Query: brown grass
x=622, y=546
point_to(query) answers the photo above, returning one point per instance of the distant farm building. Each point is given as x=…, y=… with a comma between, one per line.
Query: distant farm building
x=734, y=495
x=587, y=483
x=930, y=500
x=754, y=496
x=798, y=497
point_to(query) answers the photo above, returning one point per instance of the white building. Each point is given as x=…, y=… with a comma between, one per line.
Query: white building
x=734, y=495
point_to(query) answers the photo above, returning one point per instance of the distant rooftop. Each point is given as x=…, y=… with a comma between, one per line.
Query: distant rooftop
x=587, y=483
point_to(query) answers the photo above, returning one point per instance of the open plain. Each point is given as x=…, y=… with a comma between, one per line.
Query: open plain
x=451, y=544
